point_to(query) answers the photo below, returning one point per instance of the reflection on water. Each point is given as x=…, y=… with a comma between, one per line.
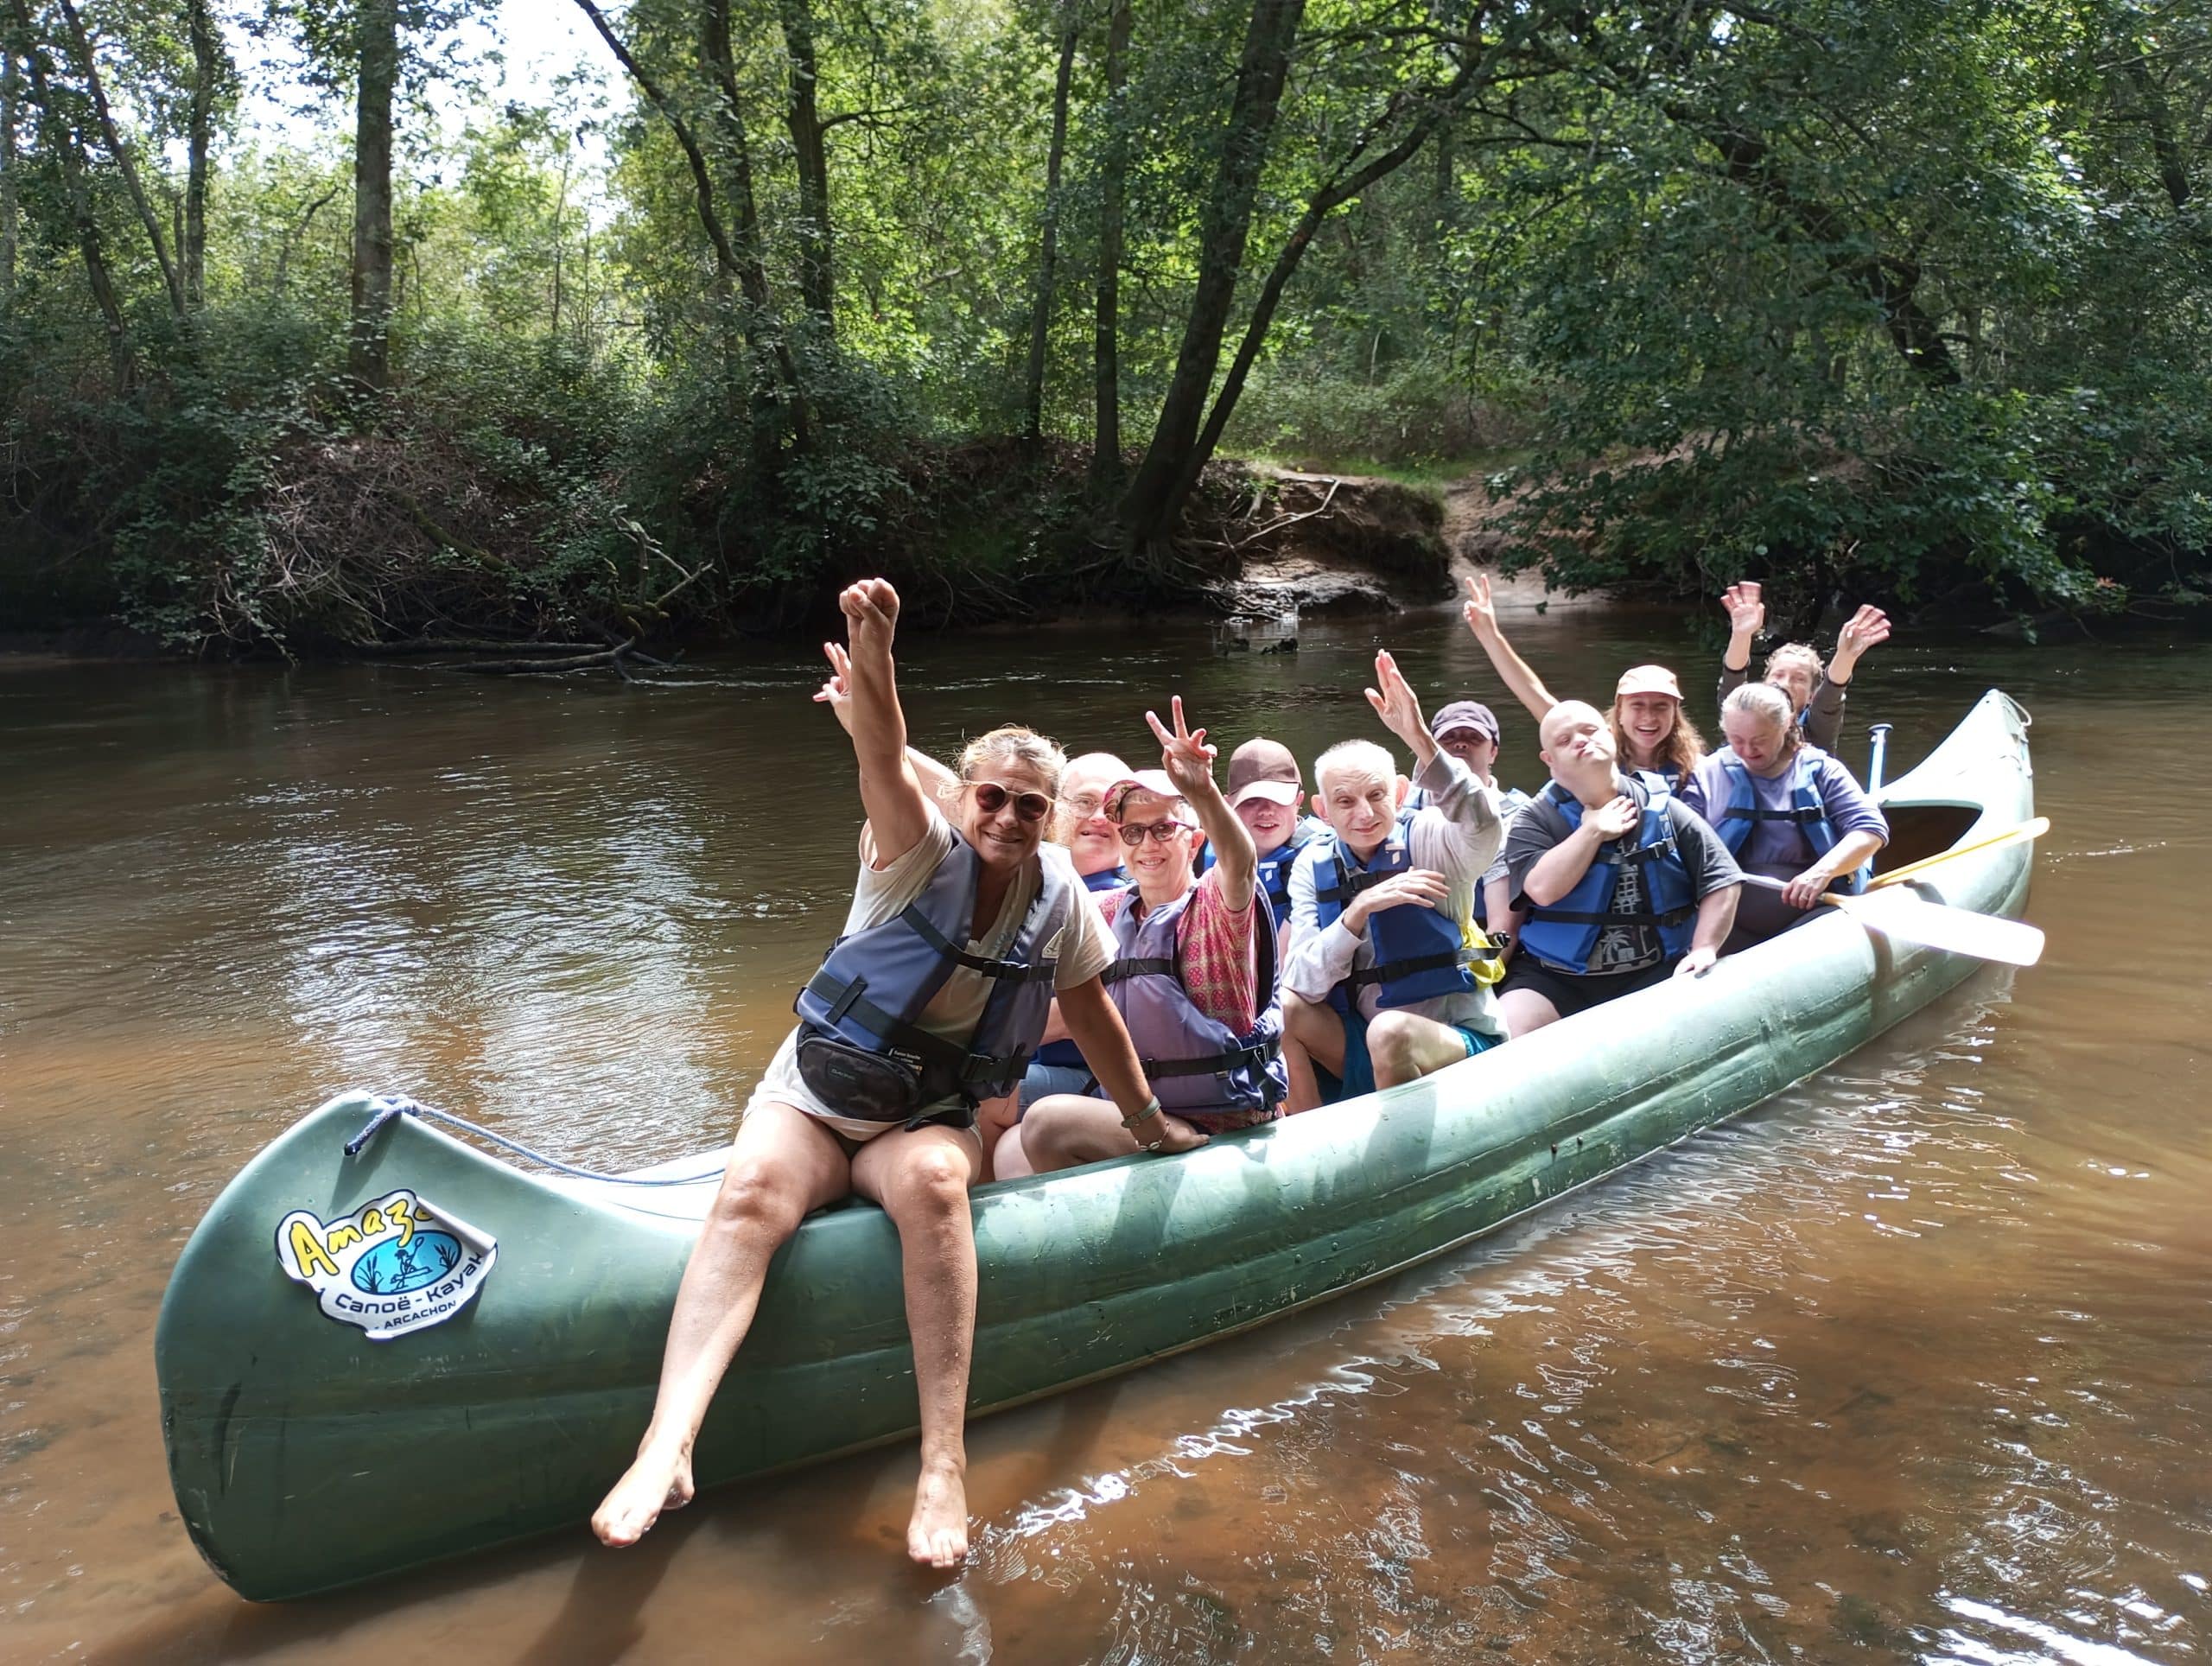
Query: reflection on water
x=1908, y=1364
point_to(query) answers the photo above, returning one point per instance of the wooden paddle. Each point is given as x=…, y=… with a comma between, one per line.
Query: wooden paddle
x=2018, y=833
x=1913, y=918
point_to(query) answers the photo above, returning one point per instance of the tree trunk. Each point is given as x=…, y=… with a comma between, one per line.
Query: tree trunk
x=1113, y=195
x=776, y=375
x=64, y=145
x=8, y=218
x=1148, y=509
x=816, y=277
x=2166, y=145
x=208, y=66
x=117, y=146
x=1324, y=202
x=702, y=180
x=1040, y=309
x=369, y=345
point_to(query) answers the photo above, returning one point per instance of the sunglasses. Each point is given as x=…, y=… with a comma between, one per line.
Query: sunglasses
x=1163, y=831
x=991, y=797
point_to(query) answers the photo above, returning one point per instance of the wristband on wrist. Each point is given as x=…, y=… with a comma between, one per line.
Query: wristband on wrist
x=1150, y=1110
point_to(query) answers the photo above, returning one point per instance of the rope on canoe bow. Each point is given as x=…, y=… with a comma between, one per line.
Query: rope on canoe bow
x=385, y=1106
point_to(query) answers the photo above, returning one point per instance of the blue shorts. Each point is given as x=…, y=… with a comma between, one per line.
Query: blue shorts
x=1359, y=1069
x=1041, y=1079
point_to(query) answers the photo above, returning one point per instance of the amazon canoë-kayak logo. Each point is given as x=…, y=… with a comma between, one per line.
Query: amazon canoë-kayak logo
x=391, y=1267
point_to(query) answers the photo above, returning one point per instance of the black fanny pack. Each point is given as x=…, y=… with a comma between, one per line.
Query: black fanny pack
x=871, y=1087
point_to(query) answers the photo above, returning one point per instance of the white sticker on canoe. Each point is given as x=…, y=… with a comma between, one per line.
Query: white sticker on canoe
x=392, y=1266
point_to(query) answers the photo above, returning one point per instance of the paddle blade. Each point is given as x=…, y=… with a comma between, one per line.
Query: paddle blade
x=1910, y=918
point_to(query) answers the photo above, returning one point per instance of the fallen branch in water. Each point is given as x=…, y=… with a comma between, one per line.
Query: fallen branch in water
x=420, y=645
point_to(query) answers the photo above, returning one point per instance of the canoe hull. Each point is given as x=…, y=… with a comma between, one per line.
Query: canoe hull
x=306, y=1457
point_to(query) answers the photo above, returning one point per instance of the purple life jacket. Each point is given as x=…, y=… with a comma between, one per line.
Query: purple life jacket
x=1194, y=1063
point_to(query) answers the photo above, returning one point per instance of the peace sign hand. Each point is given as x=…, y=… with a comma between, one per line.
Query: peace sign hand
x=837, y=692
x=1183, y=753
x=1478, y=610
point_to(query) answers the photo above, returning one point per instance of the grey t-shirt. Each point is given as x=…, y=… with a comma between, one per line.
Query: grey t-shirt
x=1542, y=824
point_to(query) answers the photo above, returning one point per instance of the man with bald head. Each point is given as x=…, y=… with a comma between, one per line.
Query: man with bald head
x=1616, y=883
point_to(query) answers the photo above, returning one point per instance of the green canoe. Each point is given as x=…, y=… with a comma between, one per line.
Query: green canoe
x=307, y=1454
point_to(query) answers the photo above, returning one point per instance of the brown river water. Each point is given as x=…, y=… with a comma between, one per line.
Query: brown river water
x=1911, y=1362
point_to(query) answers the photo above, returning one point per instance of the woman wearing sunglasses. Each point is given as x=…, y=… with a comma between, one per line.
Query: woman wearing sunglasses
x=1193, y=973
x=963, y=927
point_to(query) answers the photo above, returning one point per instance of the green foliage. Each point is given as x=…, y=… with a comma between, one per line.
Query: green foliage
x=1909, y=300
x=1820, y=309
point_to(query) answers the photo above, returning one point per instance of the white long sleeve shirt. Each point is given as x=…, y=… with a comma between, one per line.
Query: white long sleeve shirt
x=1458, y=834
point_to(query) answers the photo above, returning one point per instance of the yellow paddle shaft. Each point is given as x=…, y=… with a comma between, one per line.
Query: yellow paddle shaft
x=2018, y=833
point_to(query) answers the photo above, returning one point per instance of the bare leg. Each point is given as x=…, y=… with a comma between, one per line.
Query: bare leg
x=1009, y=1160
x=1069, y=1128
x=783, y=1163
x=1524, y=1010
x=921, y=1177
x=994, y=1118
x=1405, y=1046
x=1312, y=1032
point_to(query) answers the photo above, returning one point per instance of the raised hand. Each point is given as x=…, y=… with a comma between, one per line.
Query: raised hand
x=1746, y=611
x=837, y=692
x=1615, y=817
x=871, y=610
x=1395, y=704
x=1478, y=610
x=1863, y=630
x=1183, y=753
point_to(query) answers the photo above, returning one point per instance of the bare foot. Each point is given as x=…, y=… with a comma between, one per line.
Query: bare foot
x=659, y=1480
x=937, y=1535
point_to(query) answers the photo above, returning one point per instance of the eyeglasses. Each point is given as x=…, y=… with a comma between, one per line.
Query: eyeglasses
x=1085, y=804
x=1163, y=831
x=991, y=797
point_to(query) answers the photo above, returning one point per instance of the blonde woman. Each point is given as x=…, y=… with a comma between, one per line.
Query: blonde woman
x=964, y=926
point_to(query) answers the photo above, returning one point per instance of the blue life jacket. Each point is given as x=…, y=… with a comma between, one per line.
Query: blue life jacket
x=873, y=985
x=1420, y=953
x=1273, y=875
x=1561, y=934
x=1194, y=1063
x=1734, y=820
x=1066, y=1053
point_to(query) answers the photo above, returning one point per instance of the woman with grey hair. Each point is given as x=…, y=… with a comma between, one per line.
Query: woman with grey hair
x=1785, y=809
